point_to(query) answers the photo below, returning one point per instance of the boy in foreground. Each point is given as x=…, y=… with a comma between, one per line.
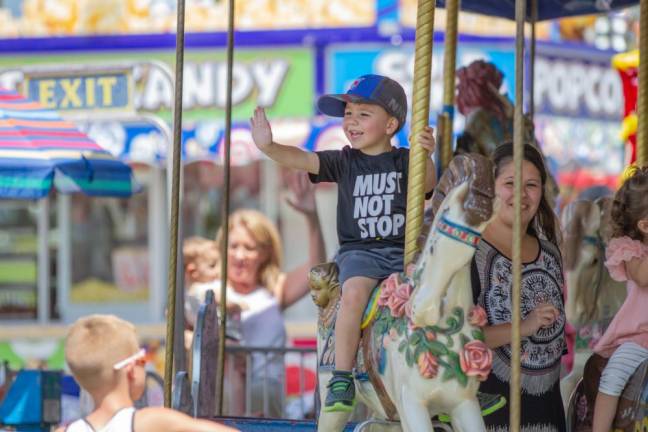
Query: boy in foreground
x=104, y=356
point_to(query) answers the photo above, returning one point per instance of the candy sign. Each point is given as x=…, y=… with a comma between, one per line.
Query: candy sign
x=205, y=85
x=283, y=81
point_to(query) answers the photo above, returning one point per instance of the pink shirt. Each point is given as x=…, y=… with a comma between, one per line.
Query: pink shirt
x=630, y=324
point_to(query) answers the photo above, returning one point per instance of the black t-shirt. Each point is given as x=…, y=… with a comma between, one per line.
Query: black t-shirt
x=372, y=196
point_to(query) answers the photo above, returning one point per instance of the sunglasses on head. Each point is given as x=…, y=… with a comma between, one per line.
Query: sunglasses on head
x=137, y=358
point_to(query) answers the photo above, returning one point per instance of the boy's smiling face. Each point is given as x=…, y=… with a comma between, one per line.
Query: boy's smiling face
x=368, y=127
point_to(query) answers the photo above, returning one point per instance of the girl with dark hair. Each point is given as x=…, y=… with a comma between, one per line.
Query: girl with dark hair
x=625, y=342
x=542, y=314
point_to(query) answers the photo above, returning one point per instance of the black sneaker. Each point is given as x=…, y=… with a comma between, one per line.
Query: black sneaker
x=341, y=393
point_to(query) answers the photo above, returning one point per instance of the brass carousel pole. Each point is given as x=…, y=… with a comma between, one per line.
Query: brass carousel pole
x=446, y=118
x=175, y=205
x=222, y=315
x=518, y=137
x=532, y=58
x=420, y=119
x=642, y=101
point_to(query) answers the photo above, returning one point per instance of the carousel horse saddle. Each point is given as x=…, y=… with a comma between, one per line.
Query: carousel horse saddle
x=372, y=307
x=632, y=405
x=325, y=290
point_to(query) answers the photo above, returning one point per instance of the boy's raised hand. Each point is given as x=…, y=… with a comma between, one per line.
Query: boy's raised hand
x=261, y=130
x=289, y=156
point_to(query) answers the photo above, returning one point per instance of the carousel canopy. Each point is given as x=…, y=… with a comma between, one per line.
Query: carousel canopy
x=547, y=9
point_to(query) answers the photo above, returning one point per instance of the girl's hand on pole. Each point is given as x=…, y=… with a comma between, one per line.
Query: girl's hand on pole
x=261, y=130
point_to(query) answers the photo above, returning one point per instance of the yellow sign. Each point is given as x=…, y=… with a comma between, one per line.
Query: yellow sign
x=91, y=91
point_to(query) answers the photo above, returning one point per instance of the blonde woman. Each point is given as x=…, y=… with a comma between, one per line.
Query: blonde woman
x=257, y=284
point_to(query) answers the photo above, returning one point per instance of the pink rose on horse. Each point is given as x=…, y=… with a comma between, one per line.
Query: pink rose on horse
x=428, y=365
x=477, y=316
x=476, y=359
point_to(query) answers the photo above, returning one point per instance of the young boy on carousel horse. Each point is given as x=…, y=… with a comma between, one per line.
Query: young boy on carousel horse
x=372, y=196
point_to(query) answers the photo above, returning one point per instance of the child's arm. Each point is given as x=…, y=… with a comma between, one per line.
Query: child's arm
x=289, y=156
x=427, y=141
x=637, y=269
x=158, y=419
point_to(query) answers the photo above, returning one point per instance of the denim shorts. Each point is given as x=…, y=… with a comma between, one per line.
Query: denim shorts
x=372, y=263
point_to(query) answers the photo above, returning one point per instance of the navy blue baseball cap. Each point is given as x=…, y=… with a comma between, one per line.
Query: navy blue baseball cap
x=369, y=89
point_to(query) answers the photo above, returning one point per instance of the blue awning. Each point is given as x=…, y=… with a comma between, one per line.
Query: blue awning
x=547, y=9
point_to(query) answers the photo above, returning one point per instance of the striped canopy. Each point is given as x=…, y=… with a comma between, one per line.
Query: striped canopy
x=39, y=150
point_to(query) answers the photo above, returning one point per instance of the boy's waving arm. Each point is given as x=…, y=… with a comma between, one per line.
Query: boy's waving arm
x=289, y=156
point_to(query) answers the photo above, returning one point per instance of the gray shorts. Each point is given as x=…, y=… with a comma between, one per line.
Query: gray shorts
x=372, y=263
x=622, y=364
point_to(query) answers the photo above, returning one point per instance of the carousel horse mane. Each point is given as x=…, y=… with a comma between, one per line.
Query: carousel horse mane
x=586, y=222
x=477, y=170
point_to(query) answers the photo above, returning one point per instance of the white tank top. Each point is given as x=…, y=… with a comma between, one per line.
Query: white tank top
x=122, y=421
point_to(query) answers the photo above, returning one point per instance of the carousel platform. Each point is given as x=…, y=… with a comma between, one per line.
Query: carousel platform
x=273, y=425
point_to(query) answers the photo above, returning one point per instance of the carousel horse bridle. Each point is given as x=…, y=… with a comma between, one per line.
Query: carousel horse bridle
x=458, y=232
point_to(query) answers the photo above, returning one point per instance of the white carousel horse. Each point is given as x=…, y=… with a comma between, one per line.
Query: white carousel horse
x=593, y=297
x=423, y=352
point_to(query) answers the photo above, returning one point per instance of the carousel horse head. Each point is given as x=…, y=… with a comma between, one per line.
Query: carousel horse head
x=489, y=115
x=478, y=86
x=462, y=206
x=324, y=284
x=592, y=294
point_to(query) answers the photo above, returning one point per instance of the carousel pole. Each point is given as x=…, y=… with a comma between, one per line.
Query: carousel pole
x=420, y=119
x=175, y=206
x=222, y=313
x=642, y=101
x=446, y=119
x=532, y=58
x=518, y=149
